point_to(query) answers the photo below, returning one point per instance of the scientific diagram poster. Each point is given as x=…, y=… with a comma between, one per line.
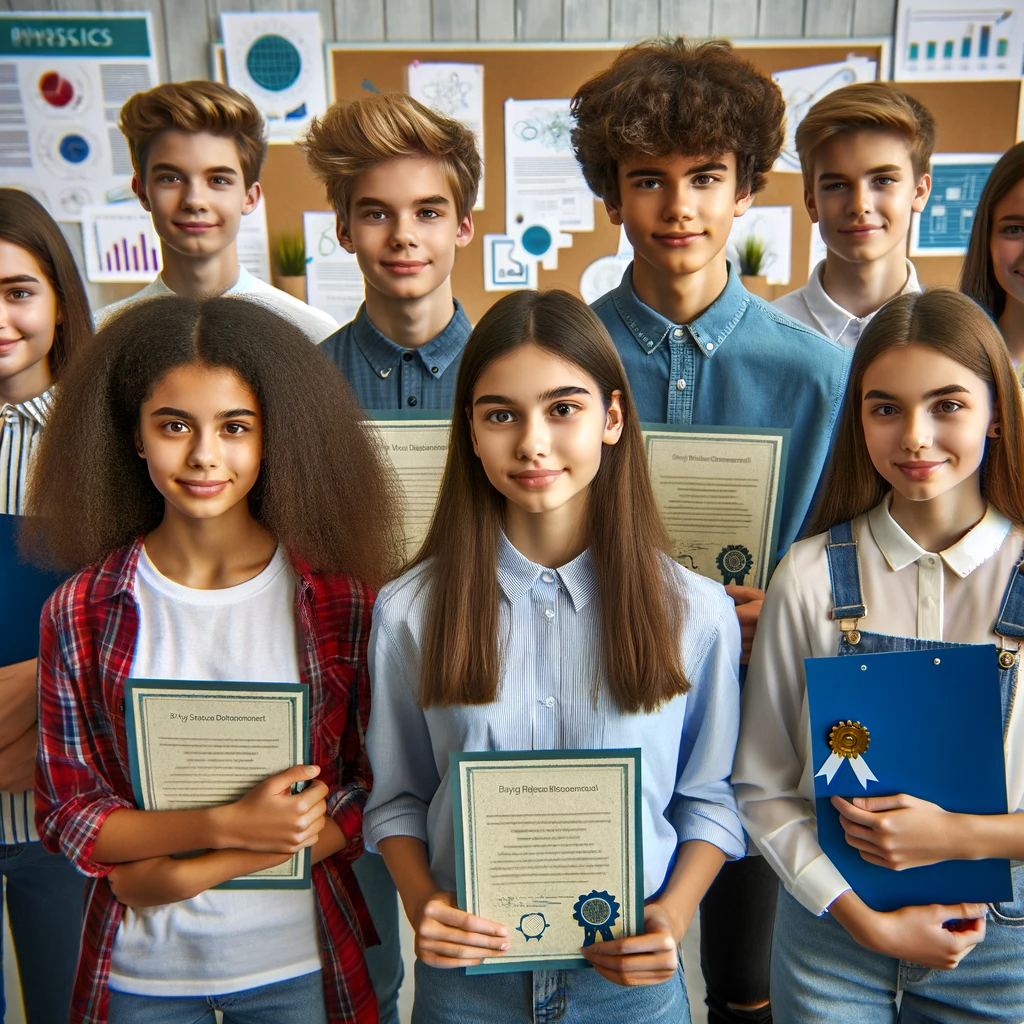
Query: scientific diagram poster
x=944, y=227
x=63, y=80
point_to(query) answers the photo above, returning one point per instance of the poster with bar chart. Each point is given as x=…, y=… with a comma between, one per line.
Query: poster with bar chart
x=941, y=40
x=120, y=243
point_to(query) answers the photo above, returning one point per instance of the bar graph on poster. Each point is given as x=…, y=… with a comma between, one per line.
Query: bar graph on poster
x=120, y=243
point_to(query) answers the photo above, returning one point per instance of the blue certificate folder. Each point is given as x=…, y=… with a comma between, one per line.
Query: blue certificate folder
x=24, y=590
x=936, y=733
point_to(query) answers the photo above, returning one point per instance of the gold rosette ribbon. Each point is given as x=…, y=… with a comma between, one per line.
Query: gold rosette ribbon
x=848, y=741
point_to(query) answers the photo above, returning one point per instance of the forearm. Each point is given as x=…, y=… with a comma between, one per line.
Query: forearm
x=329, y=842
x=697, y=864
x=129, y=835
x=406, y=859
x=980, y=836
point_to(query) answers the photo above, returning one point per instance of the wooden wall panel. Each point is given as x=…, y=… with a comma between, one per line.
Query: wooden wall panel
x=586, y=19
x=686, y=17
x=358, y=20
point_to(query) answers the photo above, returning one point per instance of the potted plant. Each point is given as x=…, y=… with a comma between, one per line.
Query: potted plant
x=290, y=252
x=754, y=256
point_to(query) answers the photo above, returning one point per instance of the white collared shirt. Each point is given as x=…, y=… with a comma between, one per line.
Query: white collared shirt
x=813, y=306
x=953, y=596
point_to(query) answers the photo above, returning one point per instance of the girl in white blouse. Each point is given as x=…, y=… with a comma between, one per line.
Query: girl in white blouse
x=926, y=481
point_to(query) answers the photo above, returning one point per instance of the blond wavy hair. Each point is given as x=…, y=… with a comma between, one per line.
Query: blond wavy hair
x=352, y=137
x=195, y=107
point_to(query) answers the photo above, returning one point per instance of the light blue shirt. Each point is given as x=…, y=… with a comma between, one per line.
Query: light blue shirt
x=741, y=363
x=553, y=695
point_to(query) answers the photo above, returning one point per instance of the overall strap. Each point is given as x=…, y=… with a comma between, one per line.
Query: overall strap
x=1011, y=614
x=844, y=571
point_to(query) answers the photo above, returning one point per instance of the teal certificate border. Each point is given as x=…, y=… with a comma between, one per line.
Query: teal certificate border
x=136, y=692
x=503, y=760
x=780, y=435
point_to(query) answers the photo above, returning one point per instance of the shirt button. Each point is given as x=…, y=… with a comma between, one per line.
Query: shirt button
x=547, y=577
x=930, y=559
x=407, y=357
x=677, y=333
x=434, y=369
x=680, y=384
x=548, y=613
x=650, y=345
x=710, y=346
x=411, y=400
x=549, y=702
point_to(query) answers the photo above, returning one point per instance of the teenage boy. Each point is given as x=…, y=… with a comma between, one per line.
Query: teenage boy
x=197, y=149
x=865, y=151
x=676, y=139
x=402, y=181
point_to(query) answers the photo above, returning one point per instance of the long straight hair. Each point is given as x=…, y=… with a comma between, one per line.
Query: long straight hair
x=24, y=223
x=641, y=608
x=955, y=326
x=978, y=277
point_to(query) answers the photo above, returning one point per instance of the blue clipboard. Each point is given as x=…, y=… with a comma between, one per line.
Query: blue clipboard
x=24, y=590
x=935, y=732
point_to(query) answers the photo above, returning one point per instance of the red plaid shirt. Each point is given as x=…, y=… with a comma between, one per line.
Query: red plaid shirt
x=87, y=643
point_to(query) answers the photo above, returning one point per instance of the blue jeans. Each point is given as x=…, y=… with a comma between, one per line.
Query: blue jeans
x=821, y=975
x=384, y=962
x=451, y=996
x=45, y=901
x=295, y=1001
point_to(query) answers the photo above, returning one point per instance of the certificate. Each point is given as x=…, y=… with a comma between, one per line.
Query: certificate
x=417, y=447
x=204, y=744
x=720, y=494
x=549, y=843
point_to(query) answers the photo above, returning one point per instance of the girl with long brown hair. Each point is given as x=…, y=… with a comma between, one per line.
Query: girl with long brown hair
x=542, y=613
x=210, y=470
x=44, y=320
x=917, y=545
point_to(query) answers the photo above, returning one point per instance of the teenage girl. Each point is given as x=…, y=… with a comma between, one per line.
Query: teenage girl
x=44, y=320
x=991, y=272
x=211, y=471
x=532, y=618
x=918, y=538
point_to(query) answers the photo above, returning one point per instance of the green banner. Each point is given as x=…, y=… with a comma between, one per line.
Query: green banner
x=22, y=36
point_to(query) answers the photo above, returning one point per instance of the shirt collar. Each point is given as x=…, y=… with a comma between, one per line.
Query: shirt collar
x=37, y=409
x=245, y=283
x=975, y=548
x=708, y=331
x=517, y=575
x=383, y=354
x=832, y=319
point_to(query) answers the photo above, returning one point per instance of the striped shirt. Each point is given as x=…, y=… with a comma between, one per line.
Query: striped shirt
x=21, y=427
x=550, y=621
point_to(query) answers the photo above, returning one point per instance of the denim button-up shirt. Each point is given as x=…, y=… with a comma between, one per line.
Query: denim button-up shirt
x=741, y=363
x=387, y=376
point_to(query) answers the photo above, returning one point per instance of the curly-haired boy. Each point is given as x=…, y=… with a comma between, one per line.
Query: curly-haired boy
x=402, y=181
x=676, y=138
x=197, y=149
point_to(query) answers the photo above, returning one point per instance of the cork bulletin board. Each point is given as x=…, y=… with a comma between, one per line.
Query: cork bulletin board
x=971, y=117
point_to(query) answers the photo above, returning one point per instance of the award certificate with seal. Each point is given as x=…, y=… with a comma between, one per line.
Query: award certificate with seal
x=204, y=744
x=720, y=494
x=549, y=843
x=417, y=447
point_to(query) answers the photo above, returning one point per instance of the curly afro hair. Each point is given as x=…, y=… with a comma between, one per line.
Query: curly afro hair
x=662, y=97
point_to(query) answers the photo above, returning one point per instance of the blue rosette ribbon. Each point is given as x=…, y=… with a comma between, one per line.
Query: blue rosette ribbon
x=734, y=561
x=596, y=912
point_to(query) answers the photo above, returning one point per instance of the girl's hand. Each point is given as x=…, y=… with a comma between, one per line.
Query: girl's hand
x=898, y=832
x=647, y=959
x=447, y=936
x=270, y=818
x=748, y=601
x=933, y=936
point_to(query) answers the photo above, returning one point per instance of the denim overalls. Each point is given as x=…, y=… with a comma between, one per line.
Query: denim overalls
x=819, y=972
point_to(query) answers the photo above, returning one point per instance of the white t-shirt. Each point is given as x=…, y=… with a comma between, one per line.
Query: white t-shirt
x=223, y=940
x=314, y=323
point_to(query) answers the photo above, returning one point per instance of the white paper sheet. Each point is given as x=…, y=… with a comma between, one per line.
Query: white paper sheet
x=456, y=91
x=120, y=243
x=334, y=283
x=605, y=273
x=63, y=80
x=773, y=224
x=543, y=182
x=818, y=250
x=254, y=244
x=278, y=61
x=803, y=87
x=944, y=227
x=947, y=40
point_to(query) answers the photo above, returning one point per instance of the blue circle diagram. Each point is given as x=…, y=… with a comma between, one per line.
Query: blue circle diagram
x=273, y=62
x=74, y=149
x=536, y=240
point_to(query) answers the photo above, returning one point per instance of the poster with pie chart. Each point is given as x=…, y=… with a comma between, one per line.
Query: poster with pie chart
x=278, y=61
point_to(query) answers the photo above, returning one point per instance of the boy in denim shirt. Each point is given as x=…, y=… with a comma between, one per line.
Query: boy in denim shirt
x=676, y=138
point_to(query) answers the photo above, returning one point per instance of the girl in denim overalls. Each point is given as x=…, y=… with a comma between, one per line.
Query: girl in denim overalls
x=917, y=543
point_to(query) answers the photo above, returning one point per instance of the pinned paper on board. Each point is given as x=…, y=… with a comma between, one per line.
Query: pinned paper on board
x=455, y=91
x=803, y=87
x=277, y=61
x=503, y=272
x=334, y=282
x=772, y=228
x=605, y=274
x=819, y=250
x=120, y=243
x=943, y=227
x=253, y=243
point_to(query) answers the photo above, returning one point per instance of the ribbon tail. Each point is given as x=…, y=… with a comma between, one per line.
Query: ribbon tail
x=830, y=767
x=862, y=771
x=589, y=936
x=606, y=933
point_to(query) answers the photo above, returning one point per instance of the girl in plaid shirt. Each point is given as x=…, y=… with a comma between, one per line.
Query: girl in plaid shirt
x=211, y=473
